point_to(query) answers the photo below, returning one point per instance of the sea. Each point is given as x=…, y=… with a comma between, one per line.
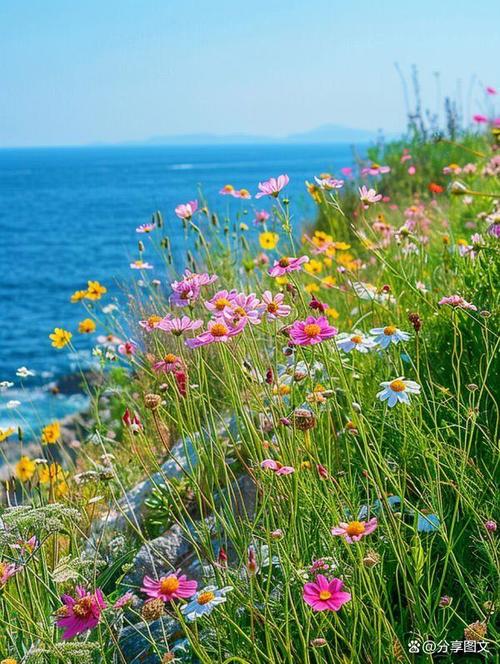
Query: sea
x=69, y=214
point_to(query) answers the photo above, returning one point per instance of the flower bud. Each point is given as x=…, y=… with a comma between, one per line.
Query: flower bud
x=152, y=401
x=475, y=631
x=318, y=643
x=371, y=559
x=153, y=609
x=303, y=419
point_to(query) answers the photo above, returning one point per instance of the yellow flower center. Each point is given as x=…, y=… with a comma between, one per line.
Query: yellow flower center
x=356, y=339
x=169, y=584
x=389, y=330
x=204, y=598
x=325, y=594
x=272, y=307
x=355, y=528
x=221, y=303
x=83, y=608
x=397, y=386
x=170, y=358
x=153, y=320
x=239, y=311
x=219, y=330
x=312, y=330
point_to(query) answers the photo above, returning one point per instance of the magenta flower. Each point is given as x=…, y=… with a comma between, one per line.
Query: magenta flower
x=128, y=348
x=186, y=210
x=490, y=90
x=287, y=264
x=261, y=216
x=311, y=331
x=354, y=530
x=168, y=588
x=220, y=302
x=218, y=331
x=243, y=309
x=273, y=186
x=368, y=196
x=124, y=600
x=347, y=171
x=457, y=302
x=145, y=228
x=490, y=525
x=277, y=467
x=6, y=571
x=325, y=595
x=169, y=363
x=80, y=613
x=131, y=420
x=180, y=325
x=480, y=119
x=273, y=305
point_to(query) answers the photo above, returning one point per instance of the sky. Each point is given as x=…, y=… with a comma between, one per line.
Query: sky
x=79, y=72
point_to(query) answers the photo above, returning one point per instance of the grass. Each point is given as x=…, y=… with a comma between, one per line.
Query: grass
x=426, y=470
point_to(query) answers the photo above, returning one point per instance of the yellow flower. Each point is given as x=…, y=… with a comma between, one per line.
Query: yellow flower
x=243, y=227
x=51, y=433
x=312, y=288
x=50, y=472
x=342, y=246
x=313, y=267
x=60, y=337
x=95, y=291
x=86, y=326
x=9, y=660
x=78, y=296
x=333, y=313
x=5, y=433
x=268, y=240
x=314, y=191
x=281, y=281
x=61, y=489
x=328, y=281
x=320, y=238
x=25, y=469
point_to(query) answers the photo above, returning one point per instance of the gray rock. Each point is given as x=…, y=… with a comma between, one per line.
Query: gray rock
x=136, y=641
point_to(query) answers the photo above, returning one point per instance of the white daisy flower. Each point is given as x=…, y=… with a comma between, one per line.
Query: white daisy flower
x=13, y=403
x=204, y=602
x=24, y=372
x=356, y=341
x=398, y=390
x=385, y=336
x=5, y=385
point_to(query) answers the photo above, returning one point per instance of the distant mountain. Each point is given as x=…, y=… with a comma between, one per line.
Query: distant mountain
x=329, y=133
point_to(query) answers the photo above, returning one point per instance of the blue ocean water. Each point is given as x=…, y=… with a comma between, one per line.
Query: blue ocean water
x=69, y=214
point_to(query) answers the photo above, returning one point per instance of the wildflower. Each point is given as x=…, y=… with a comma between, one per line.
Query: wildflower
x=316, y=305
x=227, y=190
x=60, y=337
x=273, y=186
x=5, y=385
x=368, y=196
x=311, y=331
x=13, y=403
x=51, y=433
x=178, y=326
x=277, y=467
x=490, y=526
x=322, y=471
x=398, y=390
x=480, y=119
x=6, y=571
x=475, y=631
x=261, y=216
x=125, y=600
x=242, y=193
x=152, y=401
x=268, y=240
x=186, y=210
x=252, y=566
x=151, y=322
x=95, y=290
x=375, y=169
x=132, y=421
x=390, y=334
x=146, y=228
x=86, y=326
x=415, y=320
x=329, y=183
x=318, y=643
x=24, y=372
x=153, y=609
x=457, y=302
x=277, y=534
x=217, y=332
x=303, y=419
x=205, y=601
x=313, y=267
x=168, y=588
x=274, y=307
x=9, y=660
x=445, y=601
x=78, y=296
x=80, y=613
x=490, y=91
x=353, y=531
x=6, y=433
x=243, y=309
x=140, y=265
x=371, y=559
x=168, y=364
x=220, y=302
x=325, y=595
x=25, y=469
x=50, y=473
x=287, y=264
x=435, y=188
x=356, y=341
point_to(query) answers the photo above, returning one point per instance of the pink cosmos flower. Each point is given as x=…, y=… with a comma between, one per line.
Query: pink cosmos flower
x=180, y=325
x=287, y=264
x=243, y=309
x=242, y=193
x=277, y=467
x=261, y=216
x=368, y=196
x=405, y=156
x=187, y=290
x=412, y=170
x=274, y=307
x=128, y=348
x=200, y=279
x=6, y=571
x=457, y=302
x=220, y=301
x=355, y=530
x=141, y=265
x=80, y=613
x=480, y=119
x=227, y=190
x=329, y=183
x=168, y=588
x=186, y=211
x=169, y=363
x=145, y=228
x=325, y=595
x=311, y=331
x=347, y=171
x=375, y=169
x=273, y=186
x=152, y=322
x=490, y=90
x=218, y=331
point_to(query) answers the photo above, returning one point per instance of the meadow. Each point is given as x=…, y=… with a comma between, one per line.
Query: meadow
x=292, y=448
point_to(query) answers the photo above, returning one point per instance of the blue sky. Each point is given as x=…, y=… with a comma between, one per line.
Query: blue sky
x=75, y=72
